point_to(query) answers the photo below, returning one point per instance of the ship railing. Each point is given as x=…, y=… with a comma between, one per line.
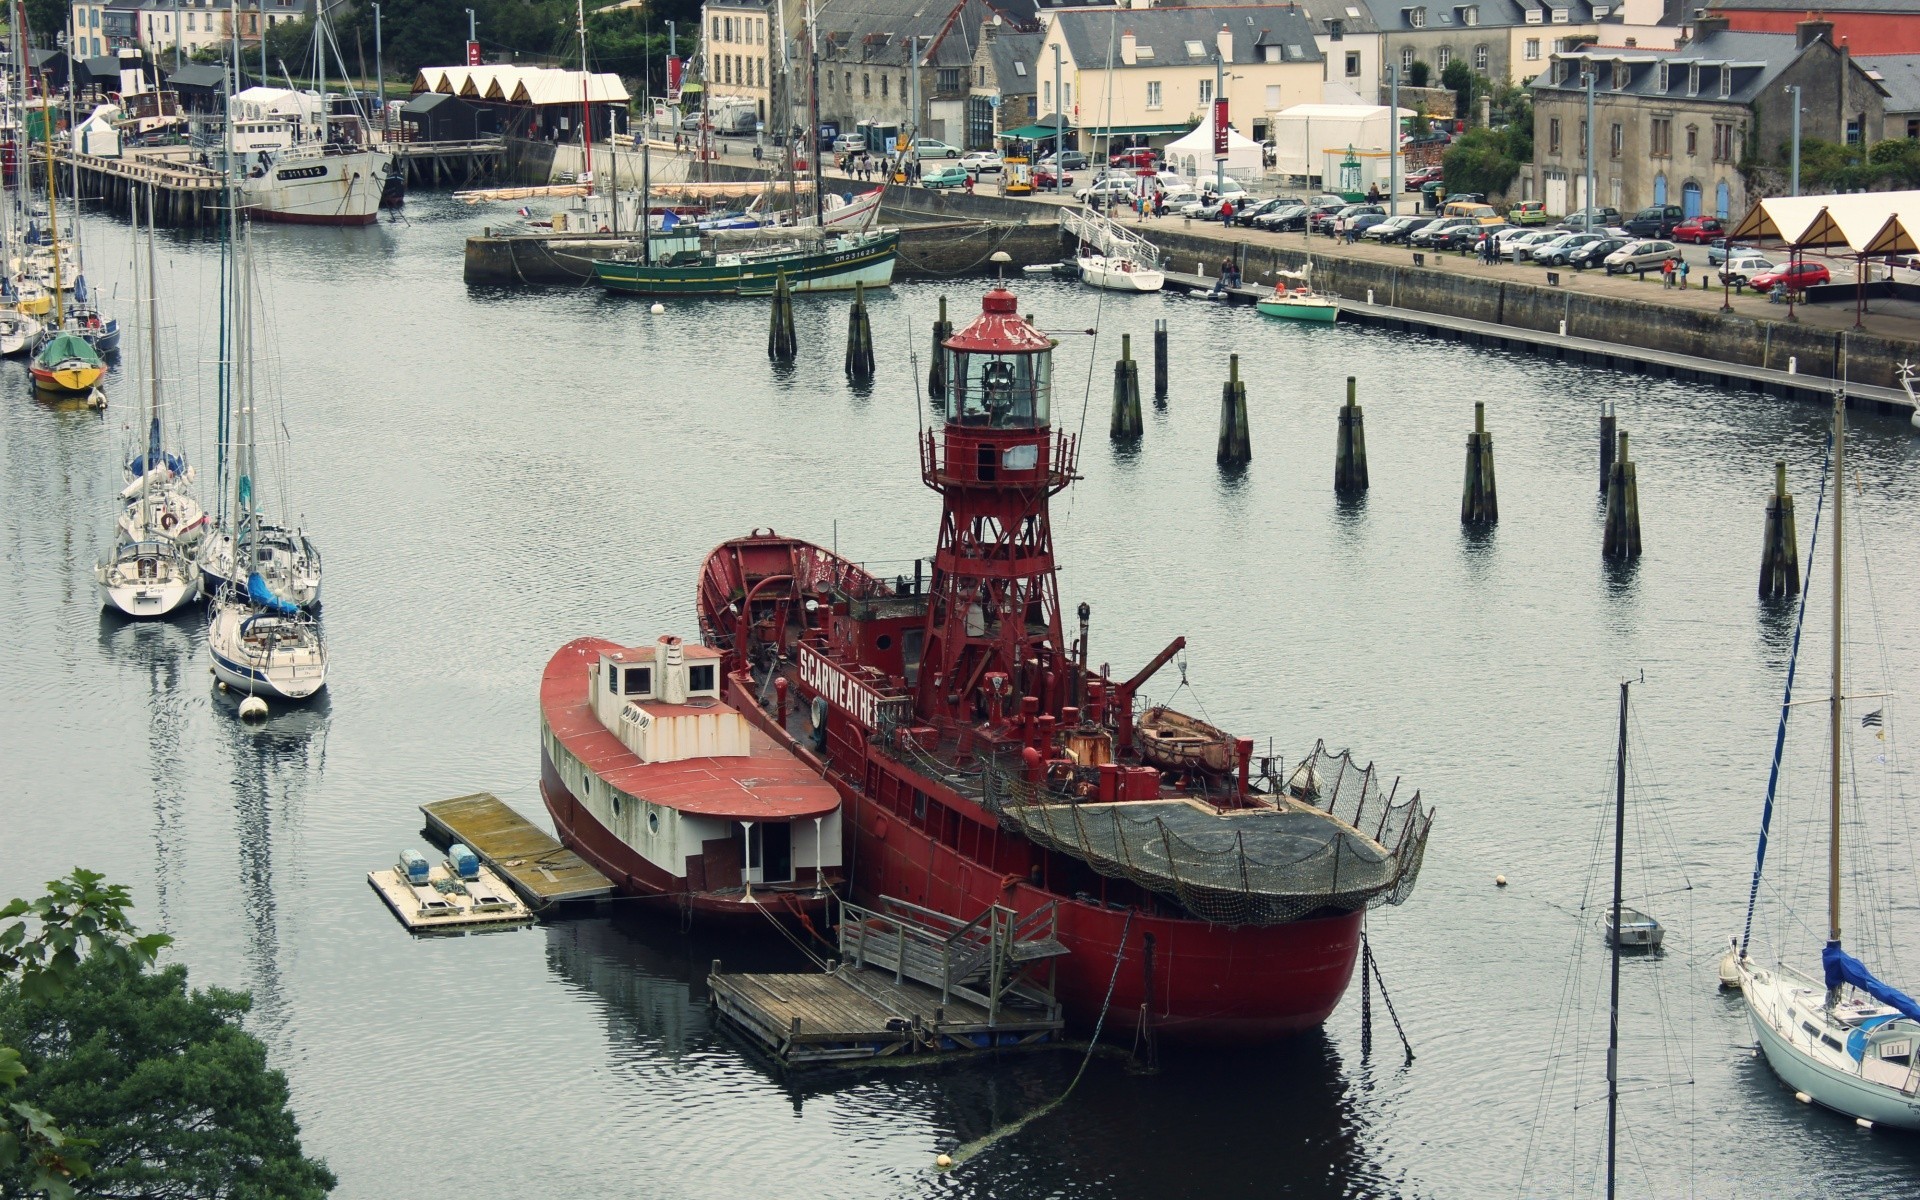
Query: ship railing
x=989, y=960
x=938, y=471
x=1110, y=238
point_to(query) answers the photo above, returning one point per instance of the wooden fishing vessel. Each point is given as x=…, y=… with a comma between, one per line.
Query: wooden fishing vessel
x=693, y=265
x=1179, y=742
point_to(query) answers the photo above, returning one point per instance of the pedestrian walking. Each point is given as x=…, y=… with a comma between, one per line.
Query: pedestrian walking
x=1685, y=267
x=969, y=183
x=1666, y=273
x=1226, y=213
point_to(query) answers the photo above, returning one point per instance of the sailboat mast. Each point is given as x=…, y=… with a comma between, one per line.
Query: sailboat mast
x=1834, y=703
x=153, y=404
x=1613, y=1007
x=586, y=102
x=53, y=201
x=812, y=139
x=153, y=311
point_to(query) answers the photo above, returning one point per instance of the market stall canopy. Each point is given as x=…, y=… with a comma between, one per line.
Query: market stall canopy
x=1192, y=155
x=1872, y=223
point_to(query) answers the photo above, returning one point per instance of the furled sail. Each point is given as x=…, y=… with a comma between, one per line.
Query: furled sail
x=1842, y=967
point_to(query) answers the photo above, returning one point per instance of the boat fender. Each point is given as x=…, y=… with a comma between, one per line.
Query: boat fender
x=819, y=714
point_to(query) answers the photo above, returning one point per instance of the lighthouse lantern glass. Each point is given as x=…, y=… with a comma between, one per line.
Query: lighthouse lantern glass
x=1002, y=391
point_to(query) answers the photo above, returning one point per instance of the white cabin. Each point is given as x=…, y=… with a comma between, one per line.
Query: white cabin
x=663, y=702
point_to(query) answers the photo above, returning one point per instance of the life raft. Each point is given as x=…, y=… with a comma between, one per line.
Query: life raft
x=1176, y=741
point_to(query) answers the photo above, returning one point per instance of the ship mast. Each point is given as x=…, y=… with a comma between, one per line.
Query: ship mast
x=1613, y=1007
x=1834, y=700
x=586, y=101
x=812, y=138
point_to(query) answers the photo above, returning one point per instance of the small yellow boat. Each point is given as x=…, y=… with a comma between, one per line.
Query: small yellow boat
x=67, y=364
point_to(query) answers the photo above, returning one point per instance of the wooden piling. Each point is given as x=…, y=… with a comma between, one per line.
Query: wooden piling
x=1479, y=499
x=782, y=347
x=1126, y=424
x=859, y=339
x=1621, y=541
x=937, y=368
x=1608, y=431
x=1780, y=552
x=1350, y=445
x=1160, y=359
x=1236, y=447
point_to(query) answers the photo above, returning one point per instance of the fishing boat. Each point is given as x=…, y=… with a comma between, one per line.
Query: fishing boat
x=1178, y=742
x=1294, y=298
x=671, y=791
x=981, y=762
x=1847, y=1040
x=750, y=264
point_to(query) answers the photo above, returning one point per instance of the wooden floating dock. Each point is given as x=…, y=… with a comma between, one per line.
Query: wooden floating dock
x=913, y=982
x=1585, y=350
x=539, y=868
x=446, y=905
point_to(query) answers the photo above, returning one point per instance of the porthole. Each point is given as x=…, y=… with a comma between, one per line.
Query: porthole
x=653, y=822
x=884, y=642
x=616, y=805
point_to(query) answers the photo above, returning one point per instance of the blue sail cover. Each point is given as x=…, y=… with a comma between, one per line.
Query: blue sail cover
x=80, y=289
x=156, y=456
x=1842, y=967
x=263, y=596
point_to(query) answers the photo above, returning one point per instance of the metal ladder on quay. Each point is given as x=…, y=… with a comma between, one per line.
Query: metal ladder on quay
x=1110, y=238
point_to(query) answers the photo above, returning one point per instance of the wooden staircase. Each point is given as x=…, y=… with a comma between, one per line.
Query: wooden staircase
x=997, y=960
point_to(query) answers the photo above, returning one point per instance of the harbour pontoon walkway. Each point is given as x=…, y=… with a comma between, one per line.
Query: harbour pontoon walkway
x=539, y=868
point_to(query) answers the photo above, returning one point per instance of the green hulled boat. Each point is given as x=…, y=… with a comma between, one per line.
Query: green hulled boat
x=745, y=265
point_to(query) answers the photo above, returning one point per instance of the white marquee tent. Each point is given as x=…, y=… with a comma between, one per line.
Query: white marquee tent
x=1192, y=154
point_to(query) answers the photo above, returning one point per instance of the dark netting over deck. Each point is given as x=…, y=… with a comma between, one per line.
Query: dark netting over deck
x=1333, y=840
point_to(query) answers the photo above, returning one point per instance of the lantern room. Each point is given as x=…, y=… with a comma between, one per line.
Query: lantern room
x=1000, y=369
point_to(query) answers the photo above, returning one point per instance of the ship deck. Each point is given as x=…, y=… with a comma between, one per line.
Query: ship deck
x=767, y=783
x=540, y=869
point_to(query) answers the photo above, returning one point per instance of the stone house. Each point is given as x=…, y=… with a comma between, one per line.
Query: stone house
x=1508, y=41
x=1004, y=92
x=1678, y=126
x=877, y=55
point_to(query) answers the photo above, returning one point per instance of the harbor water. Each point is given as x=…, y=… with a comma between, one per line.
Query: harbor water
x=491, y=474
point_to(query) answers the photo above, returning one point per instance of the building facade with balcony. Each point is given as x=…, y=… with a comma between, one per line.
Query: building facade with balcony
x=741, y=43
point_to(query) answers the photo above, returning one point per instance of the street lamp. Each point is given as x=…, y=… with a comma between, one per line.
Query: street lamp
x=1793, y=90
x=473, y=30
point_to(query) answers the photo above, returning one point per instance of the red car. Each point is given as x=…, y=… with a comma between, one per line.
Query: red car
x=1043, y=178
x=1139, y=156
x=1699, y=230
x=1422, y=175
x=1797, y=277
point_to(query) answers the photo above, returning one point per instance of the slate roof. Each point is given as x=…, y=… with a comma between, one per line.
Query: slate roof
x=1756, y=60
x=1394, y=16
x=1089, y=34
x=1801, y=6
x=195, y=75
x=881, y=32
x=1007, y=49
x=1899, y=74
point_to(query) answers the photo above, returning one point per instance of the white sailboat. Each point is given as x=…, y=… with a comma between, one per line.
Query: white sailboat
x=147, y=576
x=160, y=504
x=1847, y=1041
x=261, y=643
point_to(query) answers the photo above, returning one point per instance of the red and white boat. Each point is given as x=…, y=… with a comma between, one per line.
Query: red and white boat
x=669, y=791
x=983, y=763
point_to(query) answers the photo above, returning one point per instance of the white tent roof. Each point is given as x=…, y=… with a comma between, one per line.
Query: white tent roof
x=1345, y=112
x=1242, y=155
x=1862, y=223
x=552, y=86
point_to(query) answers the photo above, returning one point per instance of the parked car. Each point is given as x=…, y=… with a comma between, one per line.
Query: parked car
x=1046, y=178
x=1529, y=212
x=1719, y=250
x=1424, y=236
x=1100, y=190
x=1594, y=253
x=1416, y=179
x=1283, y=220
x=1404, y=233
x=849, y=145
x=1346, y=216
x=1358, y=226
x=1207, y=204
x=935, y=148
x=1560, y=251
x=1656, y=221
x=1071, y=160
x=946, y=175
x=1136, y=156
x=1591, y=220
x=1521, y=244
x=1246, y=214
x=982, y=162
x=1643, y=255
x=1742, y=268
x=1387, y=228
x=1797, y=276
x=1464, y=236
x=1698, y=230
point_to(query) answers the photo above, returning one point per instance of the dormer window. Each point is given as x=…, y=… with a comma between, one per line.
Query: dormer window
x=1416, y=18
x=1693, y=80
x=1336, y=30
x=1666, y=78
x=1559, y=16
x=1600, y=11
x=1470, y=15
x=1534, y=17
x=1622, y=75
x=703, y=679
x=1271, y=53
x=636, y=682
x=1726, y=83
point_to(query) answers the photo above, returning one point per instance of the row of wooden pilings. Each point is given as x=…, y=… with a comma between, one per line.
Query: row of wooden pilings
x=1479, y=491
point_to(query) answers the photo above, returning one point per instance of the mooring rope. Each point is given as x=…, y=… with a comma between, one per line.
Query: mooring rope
x=981, y=1144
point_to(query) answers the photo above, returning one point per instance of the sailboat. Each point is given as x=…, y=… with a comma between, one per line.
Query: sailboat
x=66, y=362
x=160, y=504
x=1112, y=258
x=1848, y=1040
x=83, y=316
x=261, y=643
x=1294, y=296
x=148, y=576
x=19, y=332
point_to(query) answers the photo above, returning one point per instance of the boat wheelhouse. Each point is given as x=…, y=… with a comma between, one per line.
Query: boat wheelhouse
x=670, y=791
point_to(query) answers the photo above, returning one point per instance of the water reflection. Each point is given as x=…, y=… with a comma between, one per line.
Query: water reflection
x=160, y=652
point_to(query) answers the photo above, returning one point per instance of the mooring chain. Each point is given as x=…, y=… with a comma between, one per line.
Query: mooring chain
x=1370, y=962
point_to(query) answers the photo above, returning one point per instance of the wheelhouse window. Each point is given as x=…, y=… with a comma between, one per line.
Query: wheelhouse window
x=1010, y=392
x=701, y=680
x=636, y=681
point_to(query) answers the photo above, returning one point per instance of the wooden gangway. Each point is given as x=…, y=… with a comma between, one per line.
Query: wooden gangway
x=538, y=867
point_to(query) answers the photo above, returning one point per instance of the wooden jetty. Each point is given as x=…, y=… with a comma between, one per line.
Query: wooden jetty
x=540, y=869
x=1583, y=350
x=445, y=904
x=910, y=982
x=187, y=193
x=450, y=164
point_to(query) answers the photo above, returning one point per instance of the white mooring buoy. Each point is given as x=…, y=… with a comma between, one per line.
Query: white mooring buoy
x=658, y=308
x=253, y=708
x=943, y=1161
x=1499, y=881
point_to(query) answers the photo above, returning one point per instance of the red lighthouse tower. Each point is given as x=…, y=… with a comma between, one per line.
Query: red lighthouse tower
x=992, y=631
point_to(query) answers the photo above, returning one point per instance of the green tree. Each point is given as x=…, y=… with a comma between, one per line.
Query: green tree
x=1418, y=72
x=1481, y=160
x=175, y=1097
x=81, y=918
x=1458, y=79
x=45, y=20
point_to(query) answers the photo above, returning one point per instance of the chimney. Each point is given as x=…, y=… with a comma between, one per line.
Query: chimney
x=1706, y=26
x=1225, y=42
x=1811, y=30
x=1129, y=51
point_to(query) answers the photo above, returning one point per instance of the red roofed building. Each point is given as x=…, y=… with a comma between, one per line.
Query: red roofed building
x=1860, y=26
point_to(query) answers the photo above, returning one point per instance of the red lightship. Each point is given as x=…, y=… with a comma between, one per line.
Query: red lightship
x=981, y=763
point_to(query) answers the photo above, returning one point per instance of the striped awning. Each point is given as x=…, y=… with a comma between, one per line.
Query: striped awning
x=1871, y=223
